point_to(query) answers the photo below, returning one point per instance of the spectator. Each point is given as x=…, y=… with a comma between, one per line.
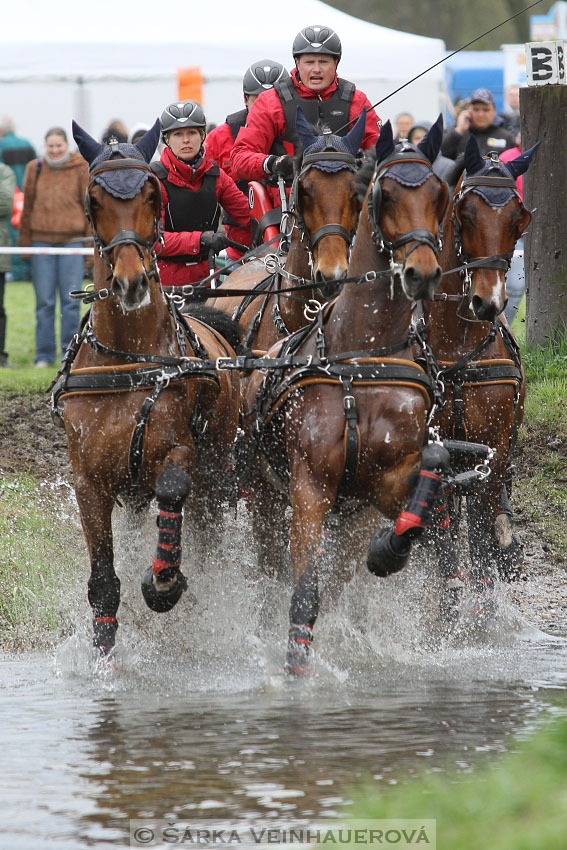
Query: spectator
x=54, y=196
x=479, y=119
x=403, y=123
x=116, y=129
x=15, y=152
x=7, y=186
x=516, y=277
x=137, y=131
x=511, y=111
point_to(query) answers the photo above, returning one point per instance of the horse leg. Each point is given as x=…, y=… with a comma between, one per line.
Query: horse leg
x=104, y=585
x=270, y=529
x=453, y=578
x=390, y=548
x=163, y=583
x=509, y=551
x=309, y=511
x=481, y=509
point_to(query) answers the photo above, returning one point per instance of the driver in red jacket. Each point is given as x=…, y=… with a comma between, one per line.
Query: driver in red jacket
x=260, y=76
x=193, y=190
x=265, y=147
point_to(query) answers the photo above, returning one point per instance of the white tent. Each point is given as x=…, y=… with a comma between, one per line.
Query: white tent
x=104, y=60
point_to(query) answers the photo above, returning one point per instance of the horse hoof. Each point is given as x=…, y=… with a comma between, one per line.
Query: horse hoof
x=388, y=552
x=160, y=602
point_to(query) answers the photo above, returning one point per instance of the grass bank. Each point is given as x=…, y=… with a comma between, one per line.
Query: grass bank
x=517, y=803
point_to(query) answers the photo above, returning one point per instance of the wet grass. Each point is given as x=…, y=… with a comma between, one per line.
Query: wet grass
x=36, y=560
x=517, y=803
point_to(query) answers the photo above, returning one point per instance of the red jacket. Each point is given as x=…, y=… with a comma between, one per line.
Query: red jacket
x=266, y=123
x=219, y=144
x=189, y=242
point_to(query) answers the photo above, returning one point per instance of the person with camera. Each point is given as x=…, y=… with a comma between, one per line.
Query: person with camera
x=479, y=119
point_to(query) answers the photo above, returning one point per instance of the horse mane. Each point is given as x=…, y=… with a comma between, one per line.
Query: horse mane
x=452, y=176
x=364, y=173
x=220, y=321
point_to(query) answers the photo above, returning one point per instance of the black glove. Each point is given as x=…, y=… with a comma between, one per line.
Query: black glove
x=281, y=166
x=214, y=242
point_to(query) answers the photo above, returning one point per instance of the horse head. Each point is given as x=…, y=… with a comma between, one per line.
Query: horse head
x=488, y=218
x=407, y=202
x=123, y=205
x=324, y=199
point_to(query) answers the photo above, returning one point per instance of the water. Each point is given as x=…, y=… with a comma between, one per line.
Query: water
x=196, y=721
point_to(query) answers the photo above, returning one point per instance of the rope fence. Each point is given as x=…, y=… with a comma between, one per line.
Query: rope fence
x=87, y=252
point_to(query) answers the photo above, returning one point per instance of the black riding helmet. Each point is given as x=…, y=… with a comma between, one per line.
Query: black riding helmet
x=262, y=75
x=185, y=113
x=317, y=39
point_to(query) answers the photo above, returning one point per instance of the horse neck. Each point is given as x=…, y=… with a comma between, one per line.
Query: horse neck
x=148, y=329
x=452, y=328
x=373, y=314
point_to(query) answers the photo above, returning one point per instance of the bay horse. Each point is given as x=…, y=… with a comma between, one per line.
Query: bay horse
x=318, y=227
x=324, y=207
x=479, y=359
x=345, y=416
x=145, y=412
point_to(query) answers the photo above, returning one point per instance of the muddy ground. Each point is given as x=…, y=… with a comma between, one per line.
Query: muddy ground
x=31, y=443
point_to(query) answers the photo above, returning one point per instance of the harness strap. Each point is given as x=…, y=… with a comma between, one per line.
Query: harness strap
x=351, y=439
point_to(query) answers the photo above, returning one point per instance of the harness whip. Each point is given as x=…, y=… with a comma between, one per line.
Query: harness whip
x=464, y=47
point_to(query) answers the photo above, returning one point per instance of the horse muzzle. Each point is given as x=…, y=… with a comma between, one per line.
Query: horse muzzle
x=419, y=285
x=487, y=309
x=133, y=293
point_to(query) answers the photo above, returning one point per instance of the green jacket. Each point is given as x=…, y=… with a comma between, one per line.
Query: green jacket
x=7, y=186
x=16, y=152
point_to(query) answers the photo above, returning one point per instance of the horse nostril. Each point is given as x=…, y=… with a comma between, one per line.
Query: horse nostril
x=118, y=286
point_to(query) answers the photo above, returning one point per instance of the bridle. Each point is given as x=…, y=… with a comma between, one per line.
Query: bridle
x=308, y=162
x=418, y=236
x=469, y=183
x=126, y=237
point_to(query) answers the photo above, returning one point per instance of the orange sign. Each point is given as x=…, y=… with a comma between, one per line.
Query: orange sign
x=190, y=84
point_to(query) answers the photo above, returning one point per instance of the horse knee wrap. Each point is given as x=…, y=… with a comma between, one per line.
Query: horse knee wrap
x=302, y=614
x=104, y=636
x=168, y=553
x=435, y=459
x=390, y=548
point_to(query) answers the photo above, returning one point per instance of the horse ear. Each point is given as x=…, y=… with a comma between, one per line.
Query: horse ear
x=149, y=141
x=430, y=145
x=473, y=160
x=354, y=136
x=89, y=148
x=521, y=164
x=304, y=131
x=385, y=143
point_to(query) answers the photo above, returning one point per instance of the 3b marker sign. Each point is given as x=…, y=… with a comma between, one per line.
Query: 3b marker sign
x=545, y=63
